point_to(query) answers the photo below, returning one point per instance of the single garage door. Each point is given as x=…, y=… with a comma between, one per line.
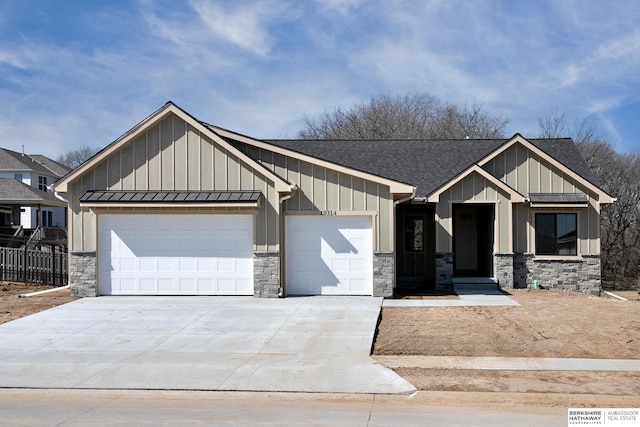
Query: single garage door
x=150, y=254
x=329, y=255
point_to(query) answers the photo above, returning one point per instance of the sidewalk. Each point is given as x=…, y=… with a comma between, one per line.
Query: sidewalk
x=509, y=363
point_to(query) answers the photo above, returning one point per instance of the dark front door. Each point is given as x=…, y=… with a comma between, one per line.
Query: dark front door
x=473, y=240
x=415, y=248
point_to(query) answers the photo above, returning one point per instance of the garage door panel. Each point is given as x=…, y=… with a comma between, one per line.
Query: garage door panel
x=329, y=255
x=175, y=254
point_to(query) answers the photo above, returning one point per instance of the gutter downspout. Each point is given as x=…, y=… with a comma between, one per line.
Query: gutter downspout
x=46, y=291
x=66, y=209
x=292, y=188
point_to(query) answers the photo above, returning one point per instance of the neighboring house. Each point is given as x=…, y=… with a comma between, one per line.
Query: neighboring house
x=38, y=172
x=177, y=206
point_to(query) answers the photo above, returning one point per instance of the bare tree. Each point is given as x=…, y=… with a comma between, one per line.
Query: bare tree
x=619, y=175
x=75, y=158
x=419, y=116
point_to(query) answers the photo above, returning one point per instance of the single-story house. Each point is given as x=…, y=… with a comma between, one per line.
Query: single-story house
x=178, y=206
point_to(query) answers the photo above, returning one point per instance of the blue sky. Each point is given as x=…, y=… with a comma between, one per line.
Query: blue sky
x=77, y=72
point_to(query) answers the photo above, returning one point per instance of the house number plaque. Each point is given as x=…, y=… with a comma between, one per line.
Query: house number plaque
x=328, y=213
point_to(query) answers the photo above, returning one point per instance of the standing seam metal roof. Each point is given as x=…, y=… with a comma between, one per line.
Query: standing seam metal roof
x=153, y=197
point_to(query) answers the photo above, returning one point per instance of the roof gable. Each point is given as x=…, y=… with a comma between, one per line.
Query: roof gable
x=425, y=164
x=514, y=196
x=331, y=162
x=431, y=164
x=14, y=161
x=157, y=118
x=562, y=154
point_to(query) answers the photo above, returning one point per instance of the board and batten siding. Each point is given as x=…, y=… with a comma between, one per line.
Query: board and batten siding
x=527, y=173
x=173, y=156
x=323, y=189
x=474, y=188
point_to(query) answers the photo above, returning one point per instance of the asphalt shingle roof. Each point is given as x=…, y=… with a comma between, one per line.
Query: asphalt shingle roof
x=426, y=164
x=12, y=160
x=55, y=167
x=15, y=192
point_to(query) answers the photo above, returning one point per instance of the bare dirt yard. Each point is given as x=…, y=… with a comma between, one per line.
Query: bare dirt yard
x=13, y=307
x=546, y=324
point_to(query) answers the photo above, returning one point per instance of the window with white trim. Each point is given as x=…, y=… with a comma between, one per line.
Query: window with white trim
x=556, y=234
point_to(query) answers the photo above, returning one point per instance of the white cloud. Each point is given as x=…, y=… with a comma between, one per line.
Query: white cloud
x=244, y=25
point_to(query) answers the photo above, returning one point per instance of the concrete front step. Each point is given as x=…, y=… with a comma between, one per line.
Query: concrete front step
x=475, y=281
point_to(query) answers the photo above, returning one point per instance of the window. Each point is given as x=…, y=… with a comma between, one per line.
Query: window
x=414, y=234
x=556, y=234
x=17, y=176
x=47, y=218
x=42, y=183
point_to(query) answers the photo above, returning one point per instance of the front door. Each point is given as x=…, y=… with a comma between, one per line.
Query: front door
x=415, y=248
x=473, y=240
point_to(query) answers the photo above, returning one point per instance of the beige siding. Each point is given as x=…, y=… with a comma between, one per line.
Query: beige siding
x=473, y=189
x=325, y=189
x=173, y=156
x=528, y=173
x=152, y=164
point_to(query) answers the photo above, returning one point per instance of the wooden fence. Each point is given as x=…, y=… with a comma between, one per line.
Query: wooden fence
x=42, y=264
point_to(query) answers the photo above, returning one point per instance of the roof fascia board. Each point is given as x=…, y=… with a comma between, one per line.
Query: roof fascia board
x=514, y=195
x=61, y=186
x=603, y=197
x=281, y=186
x=31, y=202
x=394, y=186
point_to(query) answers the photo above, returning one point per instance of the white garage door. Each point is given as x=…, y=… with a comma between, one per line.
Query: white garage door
x=149, y=254
x=329, y=255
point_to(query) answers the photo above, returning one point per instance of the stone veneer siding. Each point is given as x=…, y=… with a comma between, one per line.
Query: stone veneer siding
x=503, y=266
x=82, y=274
x=520, y=270
x=444, y=271
x=383, y=274
x=266, y=274
x=572, y=275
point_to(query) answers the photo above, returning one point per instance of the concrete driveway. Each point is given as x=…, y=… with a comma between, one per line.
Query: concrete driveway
x=307, y=344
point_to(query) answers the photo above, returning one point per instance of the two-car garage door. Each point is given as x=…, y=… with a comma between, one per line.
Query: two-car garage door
x=185, y=254
x=329, y=255
x=154, y=254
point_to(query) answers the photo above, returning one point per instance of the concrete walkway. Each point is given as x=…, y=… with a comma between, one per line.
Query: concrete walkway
x=306, y=344
x=469, y=295
x=509, y=363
